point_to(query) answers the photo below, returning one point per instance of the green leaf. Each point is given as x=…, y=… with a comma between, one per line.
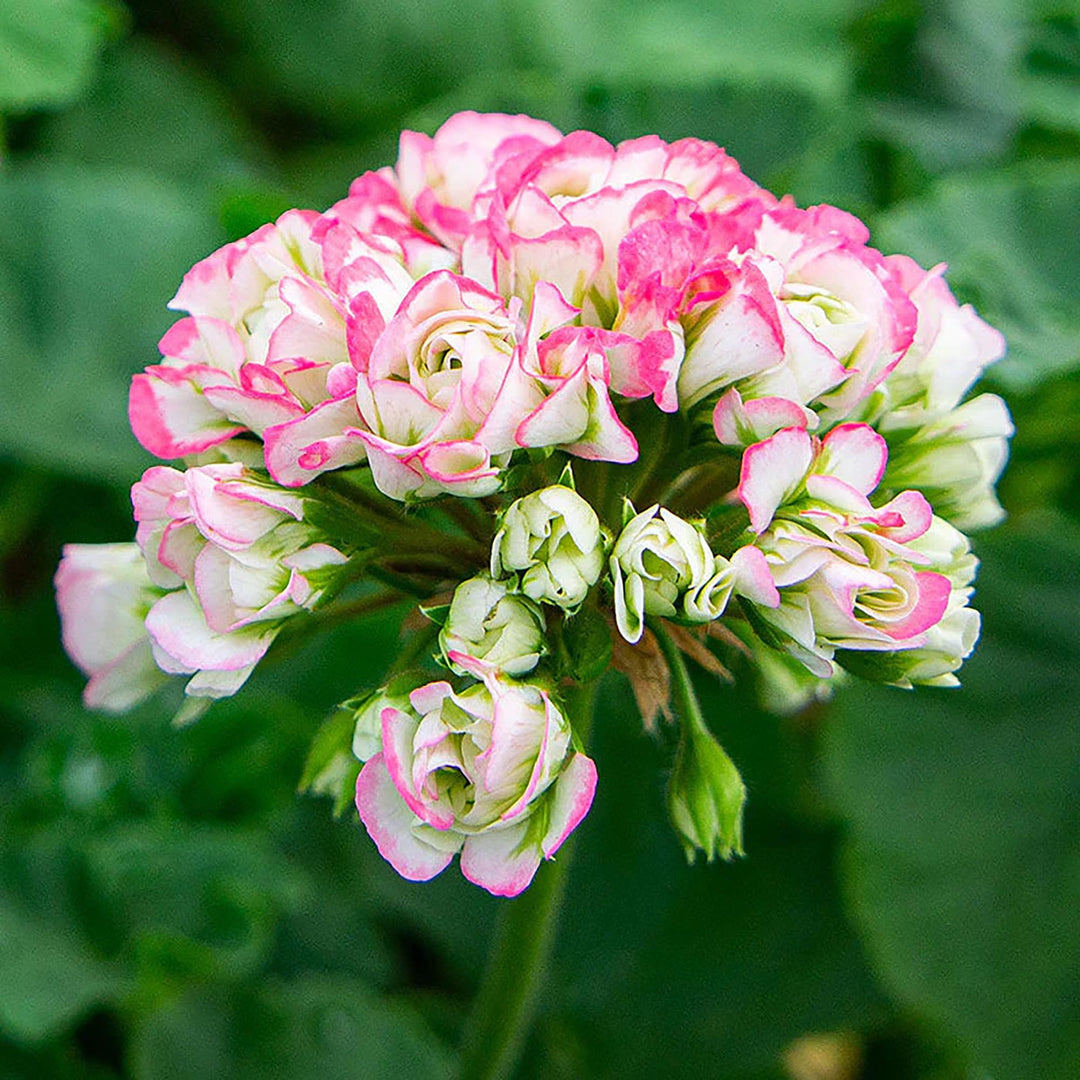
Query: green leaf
x=152, y=108
x=317, y=1027
x=49, y=48
x=49, y=977
x=330, y=768
x=963, y=862
x=680, y=43
x=359, y=64
x=173, y=885
x=1012, y=240
x=88, y=261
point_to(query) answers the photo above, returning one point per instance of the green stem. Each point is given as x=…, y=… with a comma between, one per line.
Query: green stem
x=686, y=701
x=524, y=934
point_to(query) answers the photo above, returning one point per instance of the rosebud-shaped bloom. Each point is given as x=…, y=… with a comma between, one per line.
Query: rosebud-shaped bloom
x=949, y=642
x=247, y=559
x=662, y=565
x=104, y=593
x=553, y=539
x=490, y=624
x=850, y=575
x=429, y=385
x=489, y=772
x=706, y=796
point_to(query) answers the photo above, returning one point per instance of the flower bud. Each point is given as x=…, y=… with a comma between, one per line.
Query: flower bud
x=662, y=565
x=955, y=460
x=706, y=796
x=553, y=539
x=489, y=623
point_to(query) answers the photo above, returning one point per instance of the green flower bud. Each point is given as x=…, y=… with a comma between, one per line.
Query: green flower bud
x=706, y=796
x=553, y=539
x=492, y=624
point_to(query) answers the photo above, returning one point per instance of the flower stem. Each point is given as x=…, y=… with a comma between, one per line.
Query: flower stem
x=686, y=701
x=524, y=934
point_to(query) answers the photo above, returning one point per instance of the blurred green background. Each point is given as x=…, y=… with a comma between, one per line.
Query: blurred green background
x=169, y=908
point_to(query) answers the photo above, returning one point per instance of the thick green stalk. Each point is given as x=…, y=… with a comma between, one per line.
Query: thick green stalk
x=524, y=934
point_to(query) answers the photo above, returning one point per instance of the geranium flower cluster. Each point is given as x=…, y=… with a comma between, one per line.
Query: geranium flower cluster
x=562, y=393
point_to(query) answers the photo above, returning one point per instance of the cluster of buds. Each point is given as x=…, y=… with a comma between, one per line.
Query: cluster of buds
x=384, y=400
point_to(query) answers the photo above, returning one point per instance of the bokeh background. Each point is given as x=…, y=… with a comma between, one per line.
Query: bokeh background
x=170, y=908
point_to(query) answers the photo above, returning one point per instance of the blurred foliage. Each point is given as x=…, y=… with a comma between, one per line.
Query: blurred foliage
x=170, y=908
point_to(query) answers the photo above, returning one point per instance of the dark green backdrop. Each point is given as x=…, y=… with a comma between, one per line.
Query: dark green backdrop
x=171, y=910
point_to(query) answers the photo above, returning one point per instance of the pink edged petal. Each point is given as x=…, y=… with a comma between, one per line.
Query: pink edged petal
x=738, y=333
x=171, y=418
x=126, y=681
x=571, y=798
x=399, y=412
x=392, y=476
x=739, y=423
x=209, y=342
x=837, y=493
x=430, y=696
x=500, y=860
x=180, y=545
x=519, y=395
x=854, y=453
x=398, y=731
x=393, y=826
x=549, y=311
x=177, y=625
x=205, y=287
x=753, y=578
x=461, y=467
x=934, y=593
x=560, y=418
x=606, y=438
x=771, y=473
x=256, y=411
x=513, y=738
x=914, y=511
x=152, y=493
x=210, y=580
x=229, y=518
x=569, y=258
x=299, y=450
x=314, y=327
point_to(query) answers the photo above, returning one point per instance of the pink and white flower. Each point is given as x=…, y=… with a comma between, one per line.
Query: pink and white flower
x=848, y=573
x=429, y=385
x=489, y=772
x=239, y=559
x=274, y=319
x=103, y=593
